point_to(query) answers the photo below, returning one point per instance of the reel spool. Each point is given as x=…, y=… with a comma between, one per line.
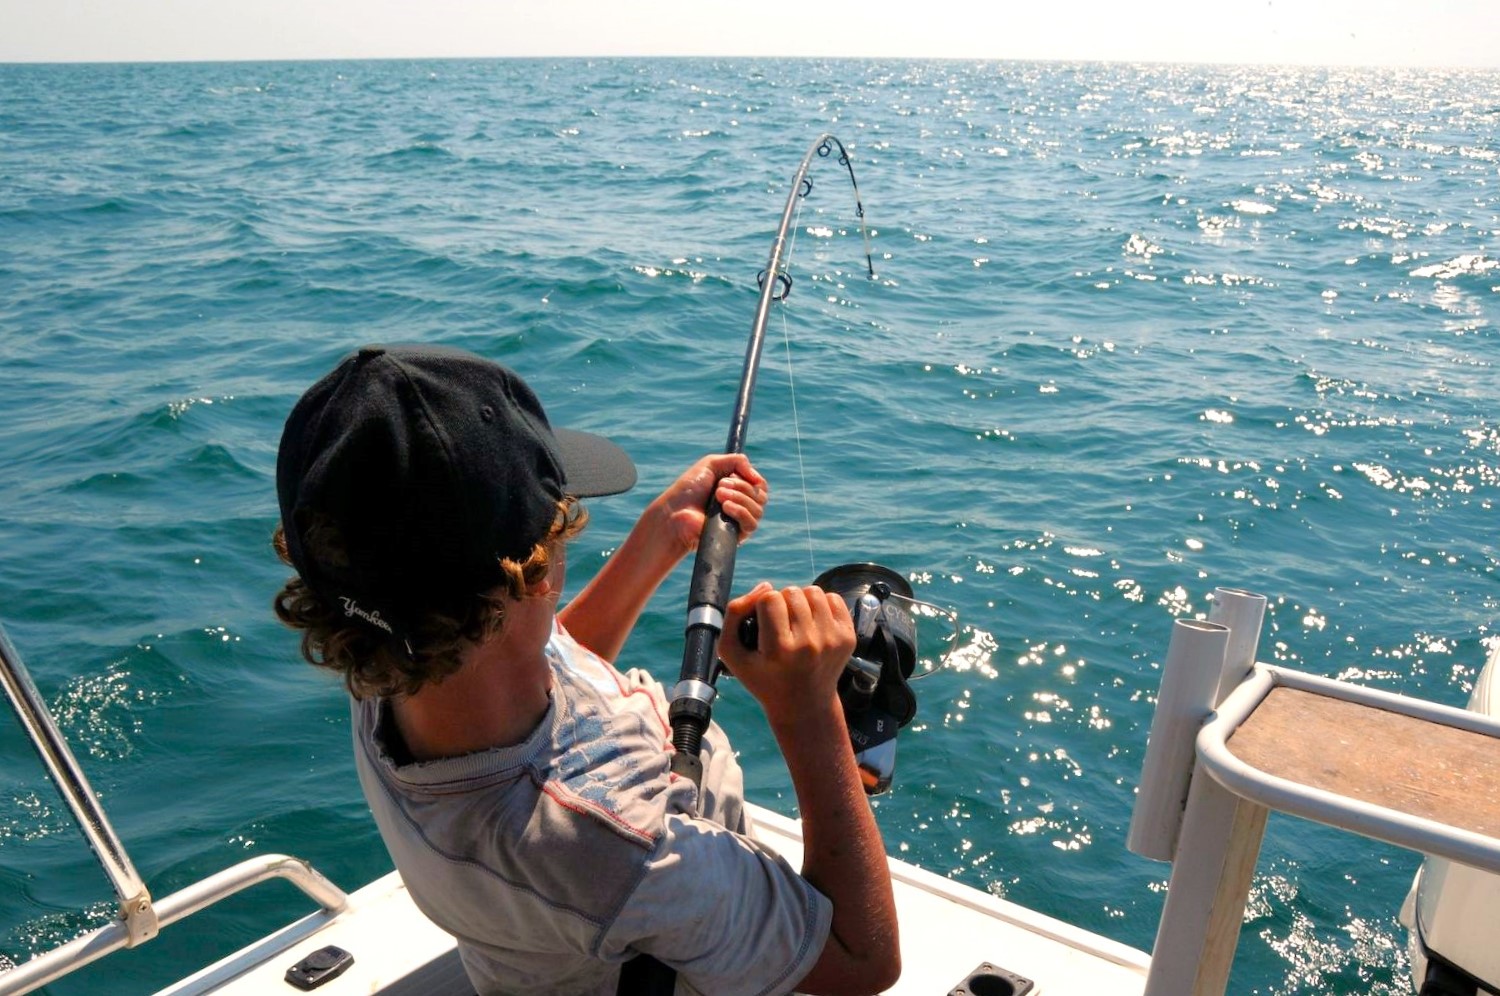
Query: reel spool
x=874, y=689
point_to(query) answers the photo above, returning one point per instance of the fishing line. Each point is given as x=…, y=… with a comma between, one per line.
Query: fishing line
x=931, y=610
x=791, y=380
x=916, y=606
x=797, y=440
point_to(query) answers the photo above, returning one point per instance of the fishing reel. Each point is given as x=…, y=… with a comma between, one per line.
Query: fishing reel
x=875, y=689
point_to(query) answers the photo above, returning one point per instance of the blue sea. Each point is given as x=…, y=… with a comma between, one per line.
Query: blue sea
x=1136, y=332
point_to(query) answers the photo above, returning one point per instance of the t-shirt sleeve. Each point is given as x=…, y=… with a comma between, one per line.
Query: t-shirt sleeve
x=731, y=916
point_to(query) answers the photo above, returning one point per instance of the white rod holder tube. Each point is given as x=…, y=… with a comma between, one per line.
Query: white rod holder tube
x=1242, y=612
x=1205, y=905
x=1189, y=681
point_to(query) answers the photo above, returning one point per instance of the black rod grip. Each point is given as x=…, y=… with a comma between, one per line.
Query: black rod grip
x=713, y=568
x=713, y=573
x=699, y=649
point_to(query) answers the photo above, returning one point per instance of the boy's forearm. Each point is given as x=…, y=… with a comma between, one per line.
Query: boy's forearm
x=602, y=615
x=843, y=856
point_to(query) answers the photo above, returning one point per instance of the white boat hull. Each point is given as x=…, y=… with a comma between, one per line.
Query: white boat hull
x=1453, y=911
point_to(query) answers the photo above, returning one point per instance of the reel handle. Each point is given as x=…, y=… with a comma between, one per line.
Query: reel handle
x=865, y=675
x=864, y=628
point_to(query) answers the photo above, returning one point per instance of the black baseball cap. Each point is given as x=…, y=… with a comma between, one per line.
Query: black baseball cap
x=406, y=473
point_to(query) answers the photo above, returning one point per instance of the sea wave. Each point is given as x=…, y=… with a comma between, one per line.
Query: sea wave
x=1136, y=332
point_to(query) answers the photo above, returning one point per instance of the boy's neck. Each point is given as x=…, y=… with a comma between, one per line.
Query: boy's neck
x=495, y=699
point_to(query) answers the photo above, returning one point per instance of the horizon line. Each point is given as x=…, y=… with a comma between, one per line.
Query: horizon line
x=743, y=57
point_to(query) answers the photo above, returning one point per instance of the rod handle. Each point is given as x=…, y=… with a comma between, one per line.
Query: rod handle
x=713, y=568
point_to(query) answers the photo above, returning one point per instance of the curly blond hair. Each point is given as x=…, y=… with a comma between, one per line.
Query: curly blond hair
x=371, y=663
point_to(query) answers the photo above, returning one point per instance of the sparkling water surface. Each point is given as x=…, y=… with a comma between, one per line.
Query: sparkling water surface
x=1136, y=332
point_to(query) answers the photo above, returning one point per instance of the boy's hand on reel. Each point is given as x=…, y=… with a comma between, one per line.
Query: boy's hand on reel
x=805, y=637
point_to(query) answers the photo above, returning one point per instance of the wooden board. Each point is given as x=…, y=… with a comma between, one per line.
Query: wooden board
x=1410, y=765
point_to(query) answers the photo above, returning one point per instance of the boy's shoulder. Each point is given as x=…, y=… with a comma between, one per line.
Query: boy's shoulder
x=611, y=745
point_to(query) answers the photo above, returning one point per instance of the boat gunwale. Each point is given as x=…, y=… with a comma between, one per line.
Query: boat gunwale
x=1275, y=792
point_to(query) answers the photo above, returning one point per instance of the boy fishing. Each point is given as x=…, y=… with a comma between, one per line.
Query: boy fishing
x=520, y=781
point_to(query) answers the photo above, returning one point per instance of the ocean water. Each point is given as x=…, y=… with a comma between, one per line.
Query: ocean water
x=1135, y=332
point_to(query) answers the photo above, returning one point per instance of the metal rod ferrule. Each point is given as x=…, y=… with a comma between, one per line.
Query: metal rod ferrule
x=706, y=615
x=700, y=691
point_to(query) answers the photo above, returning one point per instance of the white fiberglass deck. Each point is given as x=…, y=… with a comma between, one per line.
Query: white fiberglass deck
x=947, y=931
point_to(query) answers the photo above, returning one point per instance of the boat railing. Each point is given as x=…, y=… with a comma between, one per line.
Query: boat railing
x=1233, y=739
x=139, y=918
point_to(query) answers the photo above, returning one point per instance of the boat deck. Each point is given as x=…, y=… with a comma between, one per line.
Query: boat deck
x=947, y=932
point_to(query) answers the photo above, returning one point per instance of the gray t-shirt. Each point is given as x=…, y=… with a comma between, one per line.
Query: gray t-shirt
x=556, y=860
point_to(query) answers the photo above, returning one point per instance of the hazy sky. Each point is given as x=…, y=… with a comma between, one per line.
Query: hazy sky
x=1335, y=32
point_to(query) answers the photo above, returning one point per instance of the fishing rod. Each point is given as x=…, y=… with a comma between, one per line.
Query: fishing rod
x=873, y=689
x=713, y=567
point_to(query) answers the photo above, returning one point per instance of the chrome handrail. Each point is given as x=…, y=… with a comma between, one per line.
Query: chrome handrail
x=140, y=919
x=62, y=767
x=82, y=950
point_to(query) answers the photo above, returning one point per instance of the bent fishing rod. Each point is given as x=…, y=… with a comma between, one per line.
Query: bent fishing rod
x=873, y=690
x=713, y=567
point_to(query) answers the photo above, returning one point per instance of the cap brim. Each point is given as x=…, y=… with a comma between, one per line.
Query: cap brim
x=593, y=465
